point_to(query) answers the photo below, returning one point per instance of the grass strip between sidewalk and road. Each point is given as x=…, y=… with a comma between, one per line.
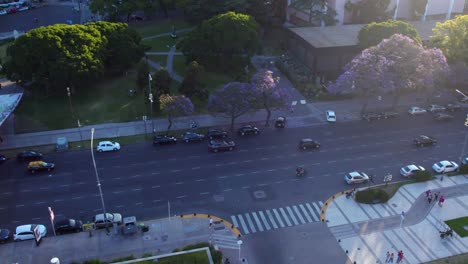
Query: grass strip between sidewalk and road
x=457, y=259
x=459, y=225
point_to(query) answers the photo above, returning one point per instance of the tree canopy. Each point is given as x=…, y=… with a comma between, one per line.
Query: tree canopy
x=199, y=10
x=72, y=55
x=451, y=37
x=367, y=11
x=174, y=106
x=268, y=13
x=373, y=33
x=224, y=42
x=117, y=9
x=192, y=84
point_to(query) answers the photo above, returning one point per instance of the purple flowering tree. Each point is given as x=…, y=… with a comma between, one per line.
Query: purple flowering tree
x=394, y=65
x=270, y=95
x=174, y=106
x=232, y=100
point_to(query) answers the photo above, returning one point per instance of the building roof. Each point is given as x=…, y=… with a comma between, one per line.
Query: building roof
x=346, y=35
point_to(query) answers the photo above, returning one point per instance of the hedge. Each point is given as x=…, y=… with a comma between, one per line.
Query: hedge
x=372, y=196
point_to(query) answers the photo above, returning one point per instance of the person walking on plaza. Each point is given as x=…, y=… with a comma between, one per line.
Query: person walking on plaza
x=441, y=200
x=400, y=256
x=428, y=192
x=429, y=198
x=388, y=257
x=436, y=196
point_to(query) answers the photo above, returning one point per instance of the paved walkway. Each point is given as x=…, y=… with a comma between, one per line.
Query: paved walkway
x=367, y=232
x=163, y=237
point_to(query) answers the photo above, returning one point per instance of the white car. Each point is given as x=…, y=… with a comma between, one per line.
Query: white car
x=445, y=166
x=356, y=177
x=414, y=110
x=25, y=232
x=464, y=160
x=108, y=146
x=410, y=170
x=331, y=117
x=433, y=108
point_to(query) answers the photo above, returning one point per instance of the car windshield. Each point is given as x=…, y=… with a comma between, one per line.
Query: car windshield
x=349, y=176
x=406, y=169
x=440, y=164
x=72, y=222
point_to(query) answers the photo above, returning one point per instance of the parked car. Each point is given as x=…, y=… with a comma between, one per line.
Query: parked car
x=463, y=100
x=192, y=136
x=423, y=141
x=248, y=130
x=453, y=107
x=414, y=110
x=100, y=222
x=307, y=143
x=465, y=160
x=433, y=108
x=29, y=155
x=68, y=226
x=330, y=115
x=445, y=166
x=4, y=235
x=221, y=145
x=25, y=232
x=2, y=159
x=164, y=140
x=410, y=170
x=371, y=116
x=443, y=117
x=108, y=146
x=35, y=166
x=280, y=122
x=389, y=114
x=356, y=177
x=214, y=133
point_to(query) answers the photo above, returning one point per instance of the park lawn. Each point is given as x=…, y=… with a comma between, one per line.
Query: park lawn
x=108, y=101
x=152, y=29
x=198, y=257
x=458, y=225
x=178, y=65
x=163, y=43
x=213, y=80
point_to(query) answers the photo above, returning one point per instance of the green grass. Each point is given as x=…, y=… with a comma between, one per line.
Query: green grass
x=213, y=80
x=148, y=30
x=457, y=259
x=198, y=257
x=164, y=43
x=458, y=225
x=108, y=101
x=178, y=65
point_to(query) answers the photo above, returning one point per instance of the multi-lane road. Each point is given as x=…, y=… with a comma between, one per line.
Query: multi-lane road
x=143, y=180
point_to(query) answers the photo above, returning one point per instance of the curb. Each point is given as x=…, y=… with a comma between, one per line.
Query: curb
x=216, y=220
x=327, y=203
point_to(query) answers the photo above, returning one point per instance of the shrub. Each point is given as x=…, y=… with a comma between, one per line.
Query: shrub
x=463, y=169
x=131, y=257
x=93, y=261
x=372, y=196
x=422, y=176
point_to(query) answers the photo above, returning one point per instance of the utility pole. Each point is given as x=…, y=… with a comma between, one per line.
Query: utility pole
x=150, y=98
x=98, y=181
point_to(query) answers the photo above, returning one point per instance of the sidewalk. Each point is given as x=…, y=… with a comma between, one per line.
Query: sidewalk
x=367, y=232
x=163, y=237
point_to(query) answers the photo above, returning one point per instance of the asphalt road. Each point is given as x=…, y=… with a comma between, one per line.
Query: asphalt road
x=141, y=179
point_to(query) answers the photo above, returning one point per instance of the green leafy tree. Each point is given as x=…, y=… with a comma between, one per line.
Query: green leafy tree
x=451, y=37
x=373, y=33
x=199, y=10
x=268, y=13
x=162, y=82
x=192, y=85
x=174, y=106
x=119, y=8
x=367, y=11
x=224, y=42
x=320, y=12
x=57, y=56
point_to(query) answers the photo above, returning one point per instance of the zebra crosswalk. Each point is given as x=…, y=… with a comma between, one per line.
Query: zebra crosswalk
x=266, y=220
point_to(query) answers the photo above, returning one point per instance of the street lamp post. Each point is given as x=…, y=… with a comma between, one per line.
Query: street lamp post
x=74, y=115
x=239, y=243
x=150, y=98
x=98, y=181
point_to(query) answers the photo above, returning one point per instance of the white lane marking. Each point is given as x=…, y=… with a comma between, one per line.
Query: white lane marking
x=255, y=172
x=271, y=170
x=204, y=193
x=19, y=205
x=279, y=182
x=227, y=190
x=321, y=204
x=222, y=177
x=40, y=202
x=285, y=216
x=264, y=158
x=35, y=218
x=182, y=196
x=272, y=220
x=26, y=191
x=155, y=173
x=312, y=212
x=240, y=174
x=260, y=227
x=97, y=210
x=136, y=176
x=117, y=192
x=64, y=185
x=245, y=187
x=77, y=197
x=219, y=164
x=233, y=163
x=7, y=193
x=262, y=184
x=251, y=224
x=195, y=168
x=2, y=208
x=44, y=188
x=155, y=201
x=116, y=178
x=175, y=170
x=172, y=159
x=179, y=183
x=234, y=221
x=265, y=222
x=200, y=180
x=119, y=206
x=278, y=218
x=298, y=214
x=80, y=183
x=291, y=214
x=139, y=203
x=193, y=156
x=244, y=226
x=304, y=211
x=155, y=186
x=58, y=200
x=137, y=189
x=246, y=161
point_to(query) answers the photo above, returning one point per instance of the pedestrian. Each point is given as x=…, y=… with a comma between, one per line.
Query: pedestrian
x=429, y=198
x=211, y=222
x=391, y=258
x=441, y=200
x=400, y=254
x=388, y=257
x=436, y=196
x=401, y=257
x=428, y=192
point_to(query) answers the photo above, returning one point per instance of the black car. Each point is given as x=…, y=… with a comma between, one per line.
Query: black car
x=4, y=235
x=216, y=133
x=68, y=226
x=422, y=141
x=191, y=136
x=164, y=140
x=280, y=122
x=442, y=117
x=307, y=143
x=389, y=114
x=453, y=107
x=2, y=159
x=371, y=116
x=248, y=130
x=221, y=145
x=29, y=155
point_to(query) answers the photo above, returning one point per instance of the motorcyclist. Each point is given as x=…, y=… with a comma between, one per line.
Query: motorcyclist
x=300, y=171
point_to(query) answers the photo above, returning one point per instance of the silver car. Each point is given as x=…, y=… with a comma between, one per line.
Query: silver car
x=356, y=177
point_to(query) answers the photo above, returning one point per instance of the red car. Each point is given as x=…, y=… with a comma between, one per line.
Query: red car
x=12, y=10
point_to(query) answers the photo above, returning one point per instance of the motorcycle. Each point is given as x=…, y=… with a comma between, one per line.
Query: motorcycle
x=446, y=233
x=300, y=172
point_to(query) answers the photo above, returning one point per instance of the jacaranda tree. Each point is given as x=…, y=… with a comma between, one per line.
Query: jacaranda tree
x=270, y=96
x=394, y=65
x=174, y=106
x=232, y=100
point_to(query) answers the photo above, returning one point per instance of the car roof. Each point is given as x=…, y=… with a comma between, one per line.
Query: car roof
x=446, y=162
x=306, y=140
x=412, y=167
x=105, y=142
x=24, y=228
x=355, y=173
